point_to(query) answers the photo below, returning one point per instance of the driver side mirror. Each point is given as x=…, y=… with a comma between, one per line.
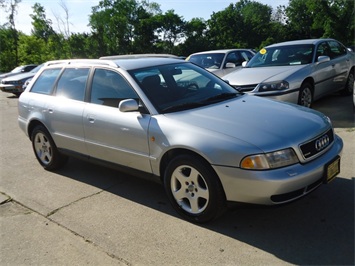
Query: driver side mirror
x=128, y=105
x=323, y=58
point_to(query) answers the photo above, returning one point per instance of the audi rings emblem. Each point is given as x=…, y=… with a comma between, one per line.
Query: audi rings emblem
x=322, y=142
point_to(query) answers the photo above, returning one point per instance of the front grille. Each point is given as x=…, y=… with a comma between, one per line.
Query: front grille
x=243, y=88
x=317, y=145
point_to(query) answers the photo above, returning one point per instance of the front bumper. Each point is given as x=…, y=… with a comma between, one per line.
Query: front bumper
x=263, y=187
x=11, y=88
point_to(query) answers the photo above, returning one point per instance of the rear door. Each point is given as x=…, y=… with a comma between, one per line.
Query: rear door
x=65, y=110
x=324, y=72
x=341, y=63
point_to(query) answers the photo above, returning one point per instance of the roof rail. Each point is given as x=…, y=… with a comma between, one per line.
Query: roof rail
x=79, y=61
x=135, y=56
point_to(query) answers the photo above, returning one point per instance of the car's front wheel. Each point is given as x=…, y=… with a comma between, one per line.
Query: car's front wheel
x=194, y=189
x=45, y=149
x=305, y=97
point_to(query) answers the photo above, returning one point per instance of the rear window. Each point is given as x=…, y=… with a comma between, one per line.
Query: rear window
x=208, y=60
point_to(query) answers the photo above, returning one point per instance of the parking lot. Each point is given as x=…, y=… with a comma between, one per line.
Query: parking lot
x=88, y=215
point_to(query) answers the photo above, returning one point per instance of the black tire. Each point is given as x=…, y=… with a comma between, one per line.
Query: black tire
x=194, y=189
x=349, y=86
x=305, y=97
x=45, y=149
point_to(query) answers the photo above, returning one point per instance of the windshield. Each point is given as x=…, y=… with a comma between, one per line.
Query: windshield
x=36, y=69
x=208, y=60
x=17, y=69
x=283, y=56
x=181, y=86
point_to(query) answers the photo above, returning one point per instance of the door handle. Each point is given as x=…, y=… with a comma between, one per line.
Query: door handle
x=91, y=119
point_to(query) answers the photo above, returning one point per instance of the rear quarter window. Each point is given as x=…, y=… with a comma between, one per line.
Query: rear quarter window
x=45, y=82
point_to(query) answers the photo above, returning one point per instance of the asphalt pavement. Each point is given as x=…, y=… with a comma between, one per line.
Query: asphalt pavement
x=88, y=215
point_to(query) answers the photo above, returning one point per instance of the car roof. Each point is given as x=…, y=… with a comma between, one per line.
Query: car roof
x=127, y=63
x=296, y=42
x=221, y=51
x=135, y=56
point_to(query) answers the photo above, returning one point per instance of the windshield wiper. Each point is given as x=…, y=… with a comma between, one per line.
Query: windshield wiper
x=183, y=106
x=222, y=96
x=190, y=105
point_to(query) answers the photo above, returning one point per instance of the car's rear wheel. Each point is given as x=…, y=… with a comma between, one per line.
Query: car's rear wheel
x=45, y=149
x=194, y=189
x=349, y=86
x=305, y=97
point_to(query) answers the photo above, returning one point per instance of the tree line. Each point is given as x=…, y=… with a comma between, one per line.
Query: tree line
x=132, y=26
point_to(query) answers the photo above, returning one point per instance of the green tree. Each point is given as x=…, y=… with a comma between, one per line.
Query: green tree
x=243, y=25
x=112, y=23
x=225, y=28
x=301, y=19
x=32, y=50
x=82, y=46
x=195, y=37
x=256, y=20
x=144, y=38
x=8, y=59
x=170, y=29
x=42, y=27
x=321, y=18
x=334, y=19
x=10, y=7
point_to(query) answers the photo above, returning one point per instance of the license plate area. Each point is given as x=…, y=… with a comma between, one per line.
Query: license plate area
x=332, y=169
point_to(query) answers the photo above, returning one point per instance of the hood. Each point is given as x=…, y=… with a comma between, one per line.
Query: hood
x=255, y=75
x=266, y=124
x=9, y=74
x=18, y=77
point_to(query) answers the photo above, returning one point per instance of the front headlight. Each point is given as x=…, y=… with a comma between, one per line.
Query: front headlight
x=269, y=160
x=273, y=86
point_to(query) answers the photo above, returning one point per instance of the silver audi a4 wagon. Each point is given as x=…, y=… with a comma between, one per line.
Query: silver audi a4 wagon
x=175, y=122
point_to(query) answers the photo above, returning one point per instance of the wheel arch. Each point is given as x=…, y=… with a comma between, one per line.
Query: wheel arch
x=169, y=155
x=309, y=80
x=32, y=125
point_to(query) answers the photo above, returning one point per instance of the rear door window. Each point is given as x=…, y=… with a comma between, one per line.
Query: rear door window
x=72, y=83
x=336, y=49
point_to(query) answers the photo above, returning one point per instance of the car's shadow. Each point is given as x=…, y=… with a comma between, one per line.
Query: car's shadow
x=315, y=230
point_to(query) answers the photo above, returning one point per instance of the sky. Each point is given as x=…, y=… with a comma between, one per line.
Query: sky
x=79, y=11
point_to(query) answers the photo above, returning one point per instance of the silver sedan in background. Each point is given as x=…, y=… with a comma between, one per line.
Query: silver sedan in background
x=297, y=71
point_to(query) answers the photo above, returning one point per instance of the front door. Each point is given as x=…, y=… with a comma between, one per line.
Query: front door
x=111, y=135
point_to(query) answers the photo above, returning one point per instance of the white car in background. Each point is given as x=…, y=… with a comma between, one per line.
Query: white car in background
x=221, y=62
